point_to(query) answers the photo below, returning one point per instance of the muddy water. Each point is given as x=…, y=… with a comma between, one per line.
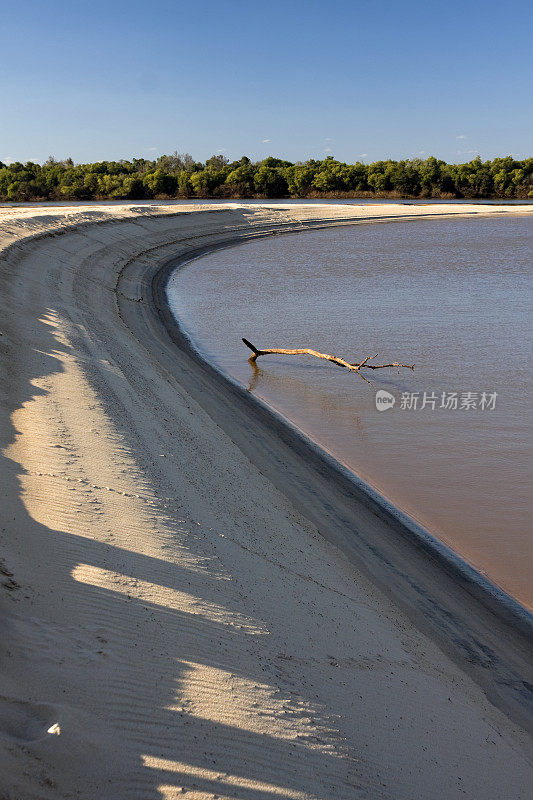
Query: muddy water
x=450, y=296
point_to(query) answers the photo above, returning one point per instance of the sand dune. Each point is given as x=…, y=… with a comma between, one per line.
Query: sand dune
x=172, y=625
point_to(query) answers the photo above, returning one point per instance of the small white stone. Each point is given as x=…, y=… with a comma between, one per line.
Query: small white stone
x=54, y=729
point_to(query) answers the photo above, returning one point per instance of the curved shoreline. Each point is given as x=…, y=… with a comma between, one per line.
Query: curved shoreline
x=471, y=642
x=486, y=591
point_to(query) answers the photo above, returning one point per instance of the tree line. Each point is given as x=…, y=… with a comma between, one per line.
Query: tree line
x=179, y=175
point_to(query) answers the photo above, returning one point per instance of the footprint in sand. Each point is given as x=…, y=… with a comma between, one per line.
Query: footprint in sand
x=27, y=722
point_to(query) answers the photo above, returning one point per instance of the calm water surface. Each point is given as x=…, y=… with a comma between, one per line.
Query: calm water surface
x=450, y=296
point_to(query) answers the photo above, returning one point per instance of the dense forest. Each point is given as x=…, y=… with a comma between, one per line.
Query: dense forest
x=179, y=175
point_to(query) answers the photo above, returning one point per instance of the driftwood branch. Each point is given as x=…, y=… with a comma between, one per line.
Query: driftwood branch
x=354, y=367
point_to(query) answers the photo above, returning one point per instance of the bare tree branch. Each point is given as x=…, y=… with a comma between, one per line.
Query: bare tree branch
x=335, y=359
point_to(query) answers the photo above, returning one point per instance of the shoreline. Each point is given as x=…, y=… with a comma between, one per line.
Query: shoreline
x=262, y=201
x=185, y=605
x=456, y=635
x=369, y=481
x=488, y=591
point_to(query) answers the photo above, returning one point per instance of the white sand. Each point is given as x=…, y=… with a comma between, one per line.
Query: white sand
x=170, y=624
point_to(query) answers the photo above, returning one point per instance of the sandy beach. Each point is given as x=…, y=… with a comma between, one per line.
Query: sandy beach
x=183, y=613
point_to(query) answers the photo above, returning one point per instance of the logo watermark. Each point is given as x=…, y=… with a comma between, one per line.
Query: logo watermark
x=384, y=400
x=437, y=401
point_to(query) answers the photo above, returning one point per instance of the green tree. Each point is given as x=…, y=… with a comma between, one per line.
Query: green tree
x=270, y=181
x=299, y=178
x=180, y=173
x=241, y=179
x=158, y=182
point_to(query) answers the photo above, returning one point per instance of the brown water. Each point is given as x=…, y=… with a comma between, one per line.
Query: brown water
x=450, y=296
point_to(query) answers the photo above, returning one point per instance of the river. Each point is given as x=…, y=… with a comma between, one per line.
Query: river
x=450, y=296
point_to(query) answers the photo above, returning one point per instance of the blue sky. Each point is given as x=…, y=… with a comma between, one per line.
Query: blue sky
x=297, y=79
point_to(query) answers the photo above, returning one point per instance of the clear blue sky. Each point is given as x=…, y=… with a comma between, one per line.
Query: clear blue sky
x=293, y=78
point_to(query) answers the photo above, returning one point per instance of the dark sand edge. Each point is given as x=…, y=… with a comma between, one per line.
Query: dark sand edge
x=483, y=629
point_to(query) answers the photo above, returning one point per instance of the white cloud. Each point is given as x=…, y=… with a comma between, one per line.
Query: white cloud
x=327, y=150
x=363, y=155
x=461, y=136
x=153, y=149
x=265, y=141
